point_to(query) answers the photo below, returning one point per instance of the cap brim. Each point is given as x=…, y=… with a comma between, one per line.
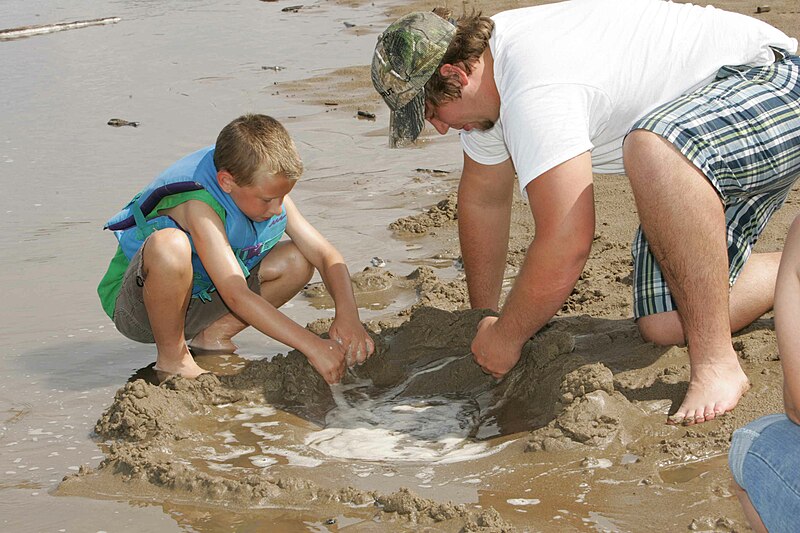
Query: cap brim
x=406, y=123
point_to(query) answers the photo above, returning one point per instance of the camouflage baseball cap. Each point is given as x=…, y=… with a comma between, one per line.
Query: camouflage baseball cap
x=407, y=54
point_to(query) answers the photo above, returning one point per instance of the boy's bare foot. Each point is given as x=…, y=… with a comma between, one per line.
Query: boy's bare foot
x=185, y=367
x=714, y=389
x=216, y=338
x=207, y=344
x=219, y=350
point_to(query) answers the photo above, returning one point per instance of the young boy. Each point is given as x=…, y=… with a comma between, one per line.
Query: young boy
x=199, y=257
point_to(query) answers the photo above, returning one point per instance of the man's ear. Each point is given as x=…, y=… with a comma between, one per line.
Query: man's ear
x=454, y=71
x=225, y=180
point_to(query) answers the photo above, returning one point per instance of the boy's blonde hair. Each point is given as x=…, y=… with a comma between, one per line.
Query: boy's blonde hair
x=253, y=142
x=471, y=39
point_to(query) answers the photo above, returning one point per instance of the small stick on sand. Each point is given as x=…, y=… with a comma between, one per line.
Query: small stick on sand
x=27, y=31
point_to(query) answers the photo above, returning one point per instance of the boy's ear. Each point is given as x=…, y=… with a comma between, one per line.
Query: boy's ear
x=225, y=180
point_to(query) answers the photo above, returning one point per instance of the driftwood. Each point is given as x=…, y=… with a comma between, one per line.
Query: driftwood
x=27, y=31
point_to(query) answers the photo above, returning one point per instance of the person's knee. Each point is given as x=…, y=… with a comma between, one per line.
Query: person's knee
x=645, y=156
x=286, y=262
x=300, y=265
x=639, y=141
x=663, y=329
x=637, y=147
x=168, y=251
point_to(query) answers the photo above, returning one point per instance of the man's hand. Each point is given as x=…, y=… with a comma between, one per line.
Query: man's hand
x=353, y=338
x=328, y=358
x=492, y=351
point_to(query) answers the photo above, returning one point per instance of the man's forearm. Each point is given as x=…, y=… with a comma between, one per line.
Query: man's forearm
x=483, y=230
x=546, y=280
x=484, y=246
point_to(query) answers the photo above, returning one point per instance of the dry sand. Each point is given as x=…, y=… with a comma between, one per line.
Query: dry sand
x=576, y=431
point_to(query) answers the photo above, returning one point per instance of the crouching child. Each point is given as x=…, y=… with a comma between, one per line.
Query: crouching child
x=201, y=257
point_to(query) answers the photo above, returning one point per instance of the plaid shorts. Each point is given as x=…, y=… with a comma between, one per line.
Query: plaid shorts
x=743, y=132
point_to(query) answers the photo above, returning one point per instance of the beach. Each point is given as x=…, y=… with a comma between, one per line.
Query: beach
x=417, y=439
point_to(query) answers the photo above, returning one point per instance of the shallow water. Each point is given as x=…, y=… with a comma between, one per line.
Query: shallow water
x=182, y=69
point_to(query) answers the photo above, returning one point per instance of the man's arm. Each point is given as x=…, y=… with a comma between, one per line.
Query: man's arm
x=213, y=248
x=562, y=204
x=787, y=321
x=485, y=194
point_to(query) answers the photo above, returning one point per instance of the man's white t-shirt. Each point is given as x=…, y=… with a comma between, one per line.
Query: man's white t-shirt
x=575, y=76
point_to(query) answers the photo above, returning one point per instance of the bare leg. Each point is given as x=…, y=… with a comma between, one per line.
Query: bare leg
x=749, y=511
x=751, y=296
x=684, y=222
x=167, y=268
x=283, y=273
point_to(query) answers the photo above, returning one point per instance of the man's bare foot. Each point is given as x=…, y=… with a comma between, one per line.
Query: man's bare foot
x=714, y=389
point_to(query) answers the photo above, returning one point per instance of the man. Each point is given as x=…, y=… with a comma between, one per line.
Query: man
x=550, y=93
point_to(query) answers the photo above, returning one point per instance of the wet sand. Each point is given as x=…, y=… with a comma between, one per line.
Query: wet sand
x=573, y=439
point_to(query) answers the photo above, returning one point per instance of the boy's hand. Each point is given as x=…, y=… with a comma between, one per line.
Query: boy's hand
x=353, y=338
x=328, y=358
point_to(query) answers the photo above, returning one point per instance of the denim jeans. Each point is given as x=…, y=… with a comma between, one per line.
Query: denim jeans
x=765, y=461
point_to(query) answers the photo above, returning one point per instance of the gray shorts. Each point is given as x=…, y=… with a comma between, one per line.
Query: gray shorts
x=130, y=314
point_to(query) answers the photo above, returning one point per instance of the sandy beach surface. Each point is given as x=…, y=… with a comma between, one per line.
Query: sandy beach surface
x=417, y=439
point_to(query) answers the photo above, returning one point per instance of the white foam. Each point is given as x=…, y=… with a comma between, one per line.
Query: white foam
x=247, y=413
x=591, y=463
x=232, y=452
x=292, y=457
x=256, y=429
x=391, y=427
x=262, y=461
x=228, y=437
x=472, y=452
x=523, y=501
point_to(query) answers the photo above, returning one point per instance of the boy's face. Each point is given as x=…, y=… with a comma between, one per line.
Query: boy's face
x=261, y=200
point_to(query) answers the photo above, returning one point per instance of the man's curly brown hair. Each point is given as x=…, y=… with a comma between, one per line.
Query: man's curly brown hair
x=471, y=39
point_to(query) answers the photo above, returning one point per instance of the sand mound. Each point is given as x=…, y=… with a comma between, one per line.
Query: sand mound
x=155, y=433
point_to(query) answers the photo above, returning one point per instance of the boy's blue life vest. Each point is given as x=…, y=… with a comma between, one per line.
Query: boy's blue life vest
x=249, y=240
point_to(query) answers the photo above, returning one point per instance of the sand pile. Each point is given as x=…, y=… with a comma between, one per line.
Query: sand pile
x=154, y=431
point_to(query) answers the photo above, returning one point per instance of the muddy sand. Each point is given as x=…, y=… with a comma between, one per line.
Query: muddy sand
x=418, y=438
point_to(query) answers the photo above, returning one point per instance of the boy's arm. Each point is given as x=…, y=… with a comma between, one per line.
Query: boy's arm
x=347, y=328
x=213, y=248
x=787, y=320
